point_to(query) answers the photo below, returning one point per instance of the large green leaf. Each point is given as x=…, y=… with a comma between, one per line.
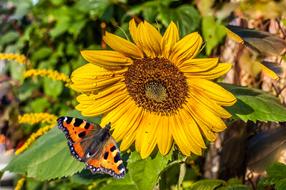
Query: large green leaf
x=48, y=158
x=142, y=174
x=253, y=104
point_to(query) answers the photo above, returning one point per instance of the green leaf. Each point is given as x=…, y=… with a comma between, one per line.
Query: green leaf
x=94, y=7
x=213, y=33
x=253, y=104
x=9, y=37
x=39, y=104
x=17, y=70
x=48, y=158
x=207, y=184
x=281, y=184
x=22, y=8
x=42, y=53
x=277, y=170
x=150, y=168
x=186, y=17
x=53, y=87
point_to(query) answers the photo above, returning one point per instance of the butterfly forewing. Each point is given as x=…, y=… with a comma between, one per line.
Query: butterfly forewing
x=76, y=129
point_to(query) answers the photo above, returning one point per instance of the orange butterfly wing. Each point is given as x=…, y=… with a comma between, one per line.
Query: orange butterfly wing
x=76, y=130
x=85, y=138
x=109, y=161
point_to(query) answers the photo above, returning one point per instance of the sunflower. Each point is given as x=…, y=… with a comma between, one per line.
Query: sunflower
x=154, y=91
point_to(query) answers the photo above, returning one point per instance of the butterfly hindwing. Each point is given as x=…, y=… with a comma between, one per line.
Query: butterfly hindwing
x=93, y=145
x=109, y=161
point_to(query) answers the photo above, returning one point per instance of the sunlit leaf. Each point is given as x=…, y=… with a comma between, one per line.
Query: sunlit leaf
x=150, y=168
x=207, y=184
x=213, y=33
x=253, y=104
x=48, y=158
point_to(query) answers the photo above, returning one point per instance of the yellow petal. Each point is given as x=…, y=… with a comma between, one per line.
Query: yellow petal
x=198, y=65
x=90, y=77
x=122, y=46
x=221, y=69
x=132, y=129
x=233, y=36
x=268, y=72
x=203, y=113
x=114, y=115
x=213, y=91
x=193, y=146
x=164, y=136
x=170, y=37
x=148, y=135
x=191, y=129
x=216, y=109
x=94, y=106
x=149, y=39
x=106, y=58
x=187, y=48
x=90, y=70
x=128, y=140
x=209, y=134
x=145, y=120
x=133, y=29
x=128, y=122
x=178, y=140
x=179, y=136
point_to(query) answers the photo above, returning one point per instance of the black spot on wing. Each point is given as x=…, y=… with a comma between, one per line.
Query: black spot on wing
x=121, y=166
x=87, y=125
x=82, y=134
x=77, y=122
x=117, y=157
x=105, y=156
x=113, y=148
x=69, y=120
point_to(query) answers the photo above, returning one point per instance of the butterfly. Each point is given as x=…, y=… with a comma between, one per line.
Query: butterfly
x=93, y=145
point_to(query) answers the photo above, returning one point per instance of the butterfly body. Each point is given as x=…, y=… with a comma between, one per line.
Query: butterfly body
x=93, y=145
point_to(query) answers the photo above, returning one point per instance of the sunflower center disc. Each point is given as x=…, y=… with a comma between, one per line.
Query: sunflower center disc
x=156, y=85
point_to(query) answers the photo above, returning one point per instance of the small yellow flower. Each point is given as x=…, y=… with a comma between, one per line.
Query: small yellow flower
x=33, y=118
x=16, y=57
x=20, y=183
x=154, y=91
x=49, y=73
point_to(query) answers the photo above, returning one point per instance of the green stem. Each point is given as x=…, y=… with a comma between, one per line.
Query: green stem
x=181, y=175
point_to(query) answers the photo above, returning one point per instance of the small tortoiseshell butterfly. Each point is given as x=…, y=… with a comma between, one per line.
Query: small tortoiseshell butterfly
x=93, y=145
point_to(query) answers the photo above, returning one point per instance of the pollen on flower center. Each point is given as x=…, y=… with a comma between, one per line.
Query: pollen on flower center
x=156, y=85
x=156, y=91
